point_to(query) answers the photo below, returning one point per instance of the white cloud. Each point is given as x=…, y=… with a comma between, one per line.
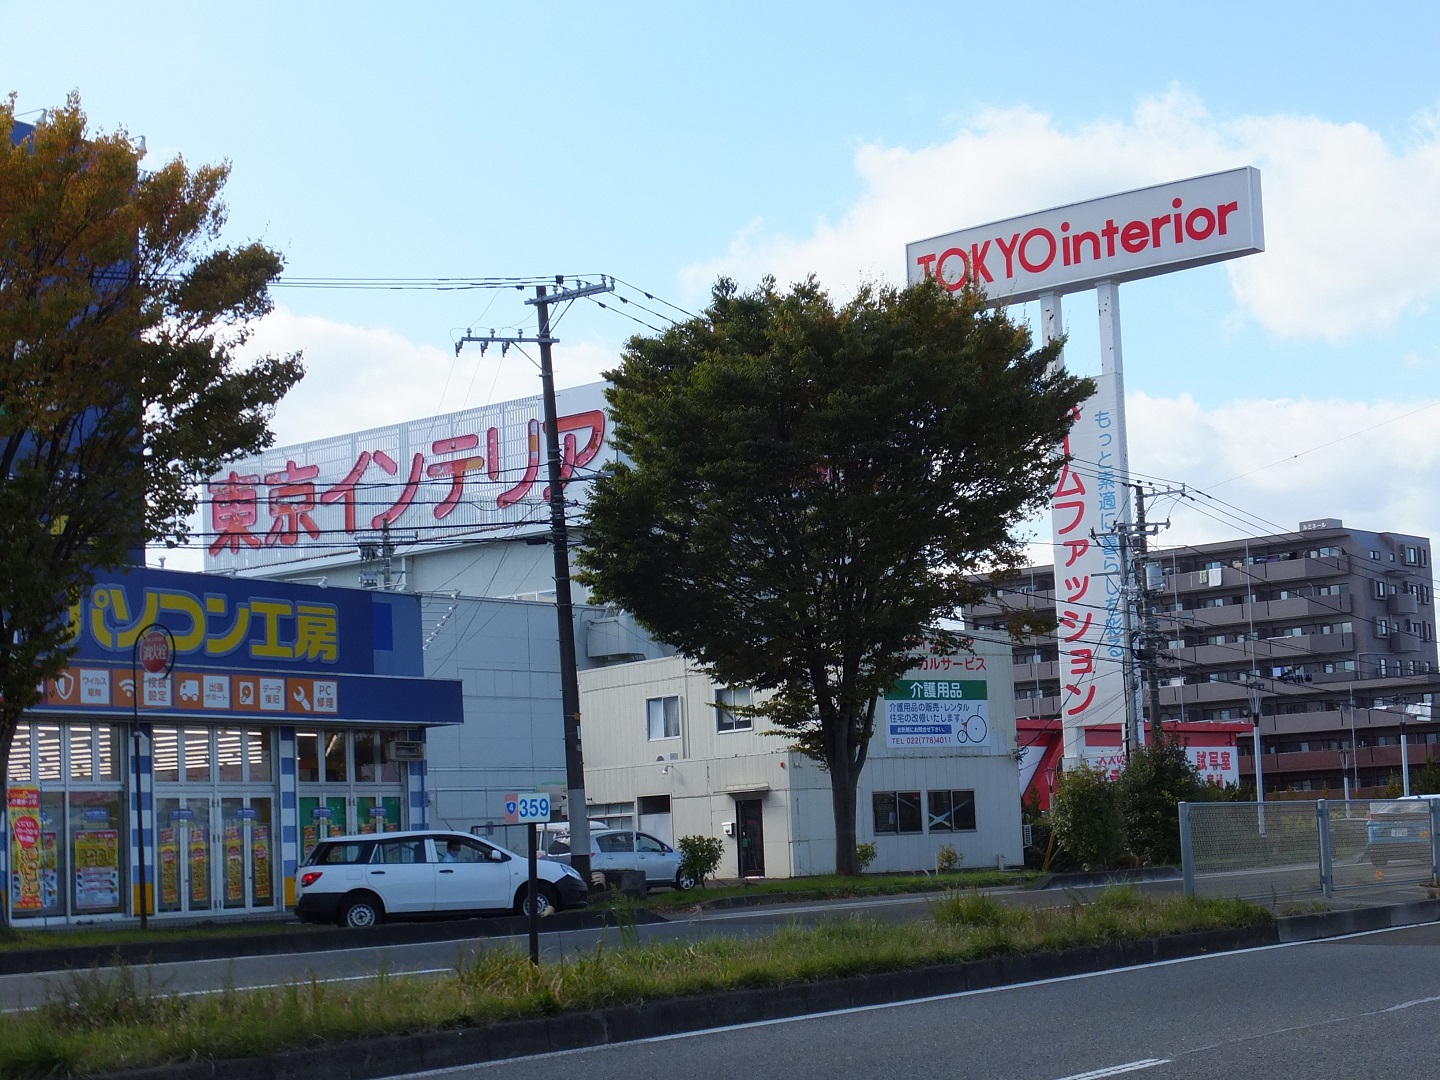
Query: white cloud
x=358, y=377
x=1349, y=244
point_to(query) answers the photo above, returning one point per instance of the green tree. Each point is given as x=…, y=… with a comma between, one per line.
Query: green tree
x=119, y=319
x=1155, y=781
x=1085, y=814
x=805, y=488
x=1427, y=780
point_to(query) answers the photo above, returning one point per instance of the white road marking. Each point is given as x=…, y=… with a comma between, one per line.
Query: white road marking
x=1116, y=1070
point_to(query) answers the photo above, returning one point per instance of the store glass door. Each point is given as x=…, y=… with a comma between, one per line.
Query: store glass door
x=321, y=817
x=183, y=857
x=247, y=831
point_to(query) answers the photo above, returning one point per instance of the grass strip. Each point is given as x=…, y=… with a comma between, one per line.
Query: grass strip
x=835, y=887
x=115, y=1018
x=104, y=936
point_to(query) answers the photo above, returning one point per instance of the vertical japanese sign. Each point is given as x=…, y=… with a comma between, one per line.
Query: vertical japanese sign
x=260, y=862
x=1085, y=504
x=199, y=866
x=25, y=849
x=234, y=865
x=169, y=868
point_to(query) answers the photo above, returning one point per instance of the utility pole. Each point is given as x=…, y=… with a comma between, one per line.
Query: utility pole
x=1141, y=581
x=560, y=548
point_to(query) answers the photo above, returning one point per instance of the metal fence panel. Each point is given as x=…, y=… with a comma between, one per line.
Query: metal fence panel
x=1293, y=850
x=1255, y=851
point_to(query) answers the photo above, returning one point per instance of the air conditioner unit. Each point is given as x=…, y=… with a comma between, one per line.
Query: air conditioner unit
x=405, y=750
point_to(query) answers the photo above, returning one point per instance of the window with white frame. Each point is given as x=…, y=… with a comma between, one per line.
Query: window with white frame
x=727, y=699
x=1379, y=590
x=1382, y=627
x=662, y=718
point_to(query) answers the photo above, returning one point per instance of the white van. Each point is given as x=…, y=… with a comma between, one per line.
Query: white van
x=360, y=880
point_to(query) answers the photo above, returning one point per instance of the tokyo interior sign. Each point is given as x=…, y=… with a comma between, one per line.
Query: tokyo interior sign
x=1135, y=234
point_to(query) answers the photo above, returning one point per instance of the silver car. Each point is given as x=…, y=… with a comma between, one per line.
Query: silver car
x=626, y=849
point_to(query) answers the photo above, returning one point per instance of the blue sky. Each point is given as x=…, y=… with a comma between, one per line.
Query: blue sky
x=667, y=143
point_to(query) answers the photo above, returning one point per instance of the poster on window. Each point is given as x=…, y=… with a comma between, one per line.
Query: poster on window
x=169, y=869
x=234, y=865
x=97, y=868
x=26, y=852
x=199, y=867
x=260, y=860
x=939, y=713
x=49, y=868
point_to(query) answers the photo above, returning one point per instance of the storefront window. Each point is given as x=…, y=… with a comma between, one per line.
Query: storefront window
x=20, y=771
x=197, y=755
x=369, y=756
x=98, y=879
x=307, y=756
x=230, y=756
x=261, y=756
x=335, y=763
x=112, y=752
x=166, y=744
x=82, y=753
x=47, y=744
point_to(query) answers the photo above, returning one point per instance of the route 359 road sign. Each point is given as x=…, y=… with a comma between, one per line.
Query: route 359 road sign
x=531, y=807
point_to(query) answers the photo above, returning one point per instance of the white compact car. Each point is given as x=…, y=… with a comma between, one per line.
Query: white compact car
x=360, y=880
x=626, y=849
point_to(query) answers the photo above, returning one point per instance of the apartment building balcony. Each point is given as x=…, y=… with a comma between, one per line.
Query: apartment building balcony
x=1043, y=707
x=1282, y=650
x=1205, y=693
x=1248, y=577
x=1046, y=671
x=999, y=606
x=1265, y=611
x=1402, y=603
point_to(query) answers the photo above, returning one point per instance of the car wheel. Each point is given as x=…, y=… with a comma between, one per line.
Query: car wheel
x=361, y=911
x=546, y=902
x=684, y=880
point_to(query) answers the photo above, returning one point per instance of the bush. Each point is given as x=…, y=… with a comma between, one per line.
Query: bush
x=1086, y=817
x=1155, y=781
x=947, y=859
x=700, y=856
x=865, y=855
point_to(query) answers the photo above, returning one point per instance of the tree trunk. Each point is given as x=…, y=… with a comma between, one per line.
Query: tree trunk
x=843, y=782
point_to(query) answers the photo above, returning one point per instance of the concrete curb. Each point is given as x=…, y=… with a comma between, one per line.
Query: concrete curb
x=1357, y=920
x=61, y=958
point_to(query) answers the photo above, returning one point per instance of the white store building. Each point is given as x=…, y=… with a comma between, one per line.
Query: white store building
x=661, y=750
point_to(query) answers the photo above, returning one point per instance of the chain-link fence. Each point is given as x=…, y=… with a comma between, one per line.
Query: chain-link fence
x=1291, y=850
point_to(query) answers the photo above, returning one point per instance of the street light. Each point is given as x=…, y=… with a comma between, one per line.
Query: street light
x=1255, y=686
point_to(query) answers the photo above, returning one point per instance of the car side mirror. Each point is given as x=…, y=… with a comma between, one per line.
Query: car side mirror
x=499, y=856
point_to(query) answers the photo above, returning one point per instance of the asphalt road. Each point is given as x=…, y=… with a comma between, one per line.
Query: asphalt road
x=1364, y=1006
x=435, y=958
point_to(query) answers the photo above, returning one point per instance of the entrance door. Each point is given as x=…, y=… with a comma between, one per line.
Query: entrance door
x=183, y=854
x=247, y=839
x=319, y=820
x=751, y=834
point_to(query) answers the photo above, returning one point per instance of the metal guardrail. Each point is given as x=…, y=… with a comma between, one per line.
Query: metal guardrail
x=1292, y=850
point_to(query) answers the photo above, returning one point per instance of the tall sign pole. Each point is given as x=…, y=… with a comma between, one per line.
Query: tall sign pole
x=560, y=548
x=1097, y=245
